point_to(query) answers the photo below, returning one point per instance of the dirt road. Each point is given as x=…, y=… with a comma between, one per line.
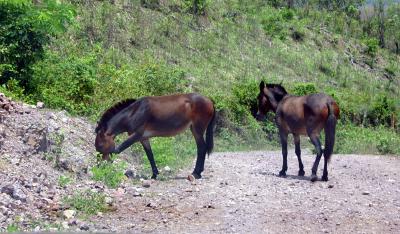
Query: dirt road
x=241, y=193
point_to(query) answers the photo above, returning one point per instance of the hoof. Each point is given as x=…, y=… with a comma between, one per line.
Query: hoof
x=301, y=173
x=324, y=178
x=282, y=173
x=154, y=176
x=314, y=178
x=196, y=176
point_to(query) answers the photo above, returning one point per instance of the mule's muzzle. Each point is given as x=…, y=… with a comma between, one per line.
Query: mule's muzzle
x=260, y=117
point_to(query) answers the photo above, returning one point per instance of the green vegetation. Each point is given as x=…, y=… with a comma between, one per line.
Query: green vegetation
x=103, y=51
x=87, y=202
x=12, y=228
x=111, y=174
x=63, y=181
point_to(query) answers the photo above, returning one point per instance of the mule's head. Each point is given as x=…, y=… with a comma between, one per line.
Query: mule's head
x=264, y=104
x=104, y=143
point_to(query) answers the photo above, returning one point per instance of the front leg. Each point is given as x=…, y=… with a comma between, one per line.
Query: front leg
x=150, y=157
x=135, y=137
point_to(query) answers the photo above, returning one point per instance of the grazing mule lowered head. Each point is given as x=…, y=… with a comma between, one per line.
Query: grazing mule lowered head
x=158, y=116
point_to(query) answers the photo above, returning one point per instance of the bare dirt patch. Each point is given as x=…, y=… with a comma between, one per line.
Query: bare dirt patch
x=242, y=193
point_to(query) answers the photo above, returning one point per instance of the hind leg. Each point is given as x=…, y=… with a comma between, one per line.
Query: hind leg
x=283, y=137
x=315, y=140
x=198, y=132
x=298, y=153
x=150, y=157
x=325, y=173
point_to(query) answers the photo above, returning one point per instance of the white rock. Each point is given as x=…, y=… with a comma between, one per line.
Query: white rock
x=40, y=105
x=167, y=169
x=65, y=225
x=69, y=214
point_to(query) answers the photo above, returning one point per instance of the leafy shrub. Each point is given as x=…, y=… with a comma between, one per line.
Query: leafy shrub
x=112, y=174
x=25, y=28
x=197, y=7
x=382, y=110
x=245, y=99
x=67, y=83
x=372, y=46
x=360, y=140
x=87, y=202
x=386, y=144
x=155, y=79
x=273, y=24
x=301, y=89
x=151, y=4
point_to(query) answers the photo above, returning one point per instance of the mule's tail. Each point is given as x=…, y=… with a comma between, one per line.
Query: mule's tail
x=330, y=127
x=210, y=134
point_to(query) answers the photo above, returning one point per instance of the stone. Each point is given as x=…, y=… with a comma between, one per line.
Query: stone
x=109, y=200
x=365, y=193
x=69, y=214
x=14, y=192
x=167, y=169
x=65, y=225
x=40, y=105
x=146, y=183
x=130, y=174
x=84, y=227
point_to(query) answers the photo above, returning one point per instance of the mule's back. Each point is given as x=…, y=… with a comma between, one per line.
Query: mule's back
x=169, y=115
x=297, y=113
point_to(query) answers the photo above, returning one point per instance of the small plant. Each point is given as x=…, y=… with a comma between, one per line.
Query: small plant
x=304, y=89
x=63, y=181
x=386, y=145
x=87, y=202
x=112, y=174
x=13, y=228
x=372, y=46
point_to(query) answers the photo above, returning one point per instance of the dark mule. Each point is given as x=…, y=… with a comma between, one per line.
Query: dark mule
x=158, y=117
x=301, y=115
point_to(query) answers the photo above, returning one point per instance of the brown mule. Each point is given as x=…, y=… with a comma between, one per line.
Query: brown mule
x=301, y=115
x=158, y=116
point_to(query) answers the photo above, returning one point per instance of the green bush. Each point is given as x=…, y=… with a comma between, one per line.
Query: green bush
x=372, y=46
x=87, y=202
x=382, y=110
x=67, y=83
x=351, y=139
x=25, y=28
x=197, y=7
x=273, y=23
x=111, y=174
x=387, y=145
x=301, y=89
x=245, y=99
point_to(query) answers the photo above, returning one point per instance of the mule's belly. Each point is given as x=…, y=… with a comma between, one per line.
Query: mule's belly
x=165, y=130
x=298, y=129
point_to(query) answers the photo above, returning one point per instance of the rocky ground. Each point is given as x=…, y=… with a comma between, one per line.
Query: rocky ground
x=240, y=192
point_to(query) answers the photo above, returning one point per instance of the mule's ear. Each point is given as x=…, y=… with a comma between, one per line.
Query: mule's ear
x=262, y=85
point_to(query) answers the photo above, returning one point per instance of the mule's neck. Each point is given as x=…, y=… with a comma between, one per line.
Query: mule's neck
x=276, y=99
x=115, y=124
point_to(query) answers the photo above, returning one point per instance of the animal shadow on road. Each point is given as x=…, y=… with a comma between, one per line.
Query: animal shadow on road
x=291, y=177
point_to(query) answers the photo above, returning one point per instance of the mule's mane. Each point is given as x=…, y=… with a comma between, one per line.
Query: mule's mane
x=108, y=114
x=277, y=90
